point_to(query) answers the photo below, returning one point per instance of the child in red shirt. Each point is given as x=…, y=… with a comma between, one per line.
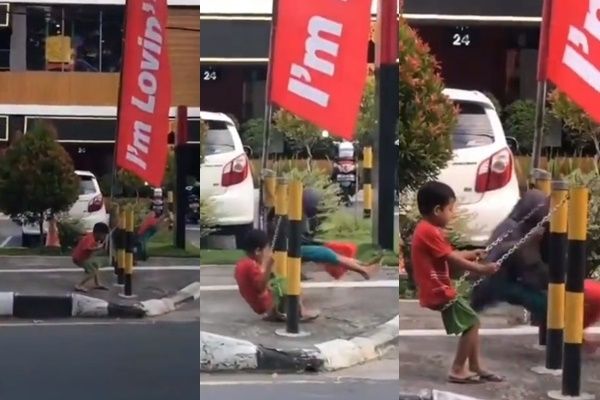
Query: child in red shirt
x=86, y=256
x=591, y=310
x=253, y=274
x=149, y=227
x=431, y=255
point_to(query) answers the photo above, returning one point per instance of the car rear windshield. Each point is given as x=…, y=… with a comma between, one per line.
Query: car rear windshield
x=86, y=185
x=473, y=128
x=218, y=138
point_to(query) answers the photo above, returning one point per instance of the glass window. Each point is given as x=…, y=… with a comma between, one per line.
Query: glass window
x=218, y=137
x=473, y=127
x=74, y=38
x=86, y=185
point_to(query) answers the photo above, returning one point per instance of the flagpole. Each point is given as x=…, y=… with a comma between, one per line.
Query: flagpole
x=119, y=93
x=116, y=145
x=542, y=86
x=268, y=116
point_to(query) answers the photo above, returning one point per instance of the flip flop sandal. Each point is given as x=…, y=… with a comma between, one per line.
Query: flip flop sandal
x=469, y=380
x=491, y=378
x=309, y=318
x=80, y=289
x=275, y=318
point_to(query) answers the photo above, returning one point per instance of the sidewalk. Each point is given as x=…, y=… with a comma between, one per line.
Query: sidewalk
x=424, y=363
x=346, y=313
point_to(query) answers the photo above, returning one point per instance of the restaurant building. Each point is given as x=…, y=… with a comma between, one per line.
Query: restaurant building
x=68, y=54
x=486, y=45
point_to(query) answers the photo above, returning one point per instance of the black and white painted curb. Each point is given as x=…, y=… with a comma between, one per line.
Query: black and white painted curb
x=434, y=395
x=19, y=305
x=223, y=353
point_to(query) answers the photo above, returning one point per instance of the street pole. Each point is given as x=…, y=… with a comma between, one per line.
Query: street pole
x=262, y=217
x=387, y=78
x=540, y=105
x=180, y=183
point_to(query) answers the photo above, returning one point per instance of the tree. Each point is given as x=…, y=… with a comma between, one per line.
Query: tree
x=367, y=120
x=37, y=176
x=427, y=116
x=300, y=134
x=252, y=135
x=519, y=122
x=583, y=129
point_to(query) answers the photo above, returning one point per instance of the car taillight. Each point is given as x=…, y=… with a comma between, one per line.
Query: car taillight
x=495, y=172
x=96, y=203
x=235, y=171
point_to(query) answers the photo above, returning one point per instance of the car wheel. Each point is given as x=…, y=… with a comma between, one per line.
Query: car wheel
x=240, y=233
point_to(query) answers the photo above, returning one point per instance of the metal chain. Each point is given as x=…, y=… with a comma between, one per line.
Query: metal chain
x=276, y=232
x=513, y=248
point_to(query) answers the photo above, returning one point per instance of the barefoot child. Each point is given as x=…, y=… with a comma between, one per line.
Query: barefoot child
x=431, y=255
x=87, y=255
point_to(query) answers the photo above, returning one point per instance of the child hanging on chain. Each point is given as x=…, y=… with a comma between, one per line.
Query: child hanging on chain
x=432, y=255
x=335, y=257
x=523, y=278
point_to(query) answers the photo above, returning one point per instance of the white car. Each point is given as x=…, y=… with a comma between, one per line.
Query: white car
x=482, y=172
x=225, y=177
x=89, y=209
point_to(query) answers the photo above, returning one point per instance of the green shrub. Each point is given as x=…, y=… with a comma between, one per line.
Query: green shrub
x=69, y=233
x=207, y=221
x=251, y=133
x=427, y=116
x=37, y=175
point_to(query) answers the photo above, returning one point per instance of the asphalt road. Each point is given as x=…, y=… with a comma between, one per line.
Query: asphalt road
x=150, y=361
x=10, y=234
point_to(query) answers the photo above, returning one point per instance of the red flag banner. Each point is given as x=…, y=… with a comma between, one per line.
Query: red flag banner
x=574, y=52
x=145, y=96
x=320, y=61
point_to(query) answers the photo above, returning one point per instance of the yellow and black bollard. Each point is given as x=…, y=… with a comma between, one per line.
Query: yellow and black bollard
x=574, y=300
x=367, y=182
x=558, y=244
x=120, y=245
x=294, y=262
x=543, y=182
x=280, y=246
x=270, y=183
x=129, y=245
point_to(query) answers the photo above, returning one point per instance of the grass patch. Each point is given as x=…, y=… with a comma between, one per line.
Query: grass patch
x=220, y=257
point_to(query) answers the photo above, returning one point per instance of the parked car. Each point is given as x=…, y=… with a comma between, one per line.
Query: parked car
x=89, y=209
x=225, y=178
x=482, y=172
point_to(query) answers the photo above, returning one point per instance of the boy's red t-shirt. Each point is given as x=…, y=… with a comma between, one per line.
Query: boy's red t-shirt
x=84, y=249
x=591, y=309
x=249, y=277
x=429, y=252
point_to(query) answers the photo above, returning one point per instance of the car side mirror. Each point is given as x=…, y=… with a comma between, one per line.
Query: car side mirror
x=513, y=144
x=248, y=150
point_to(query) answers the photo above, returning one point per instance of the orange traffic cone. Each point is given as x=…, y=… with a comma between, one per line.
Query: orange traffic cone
x=52, y=239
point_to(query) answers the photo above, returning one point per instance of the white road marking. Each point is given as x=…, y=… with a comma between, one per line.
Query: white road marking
x=6, y=241
x=393, y=283
x=523, y=330
x=6, y=324
x=67, y=269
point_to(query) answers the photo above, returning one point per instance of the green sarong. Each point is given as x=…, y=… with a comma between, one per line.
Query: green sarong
x=94, y=263
x=459, y=317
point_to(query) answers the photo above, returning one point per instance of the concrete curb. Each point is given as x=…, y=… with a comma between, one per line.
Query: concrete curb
x=27, y=306
x=223, y=353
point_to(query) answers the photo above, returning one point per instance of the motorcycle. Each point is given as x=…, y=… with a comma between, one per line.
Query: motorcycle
x=344, y=172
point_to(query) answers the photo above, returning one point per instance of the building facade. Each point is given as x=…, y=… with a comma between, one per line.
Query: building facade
x=68, y=53
x=486, y=45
